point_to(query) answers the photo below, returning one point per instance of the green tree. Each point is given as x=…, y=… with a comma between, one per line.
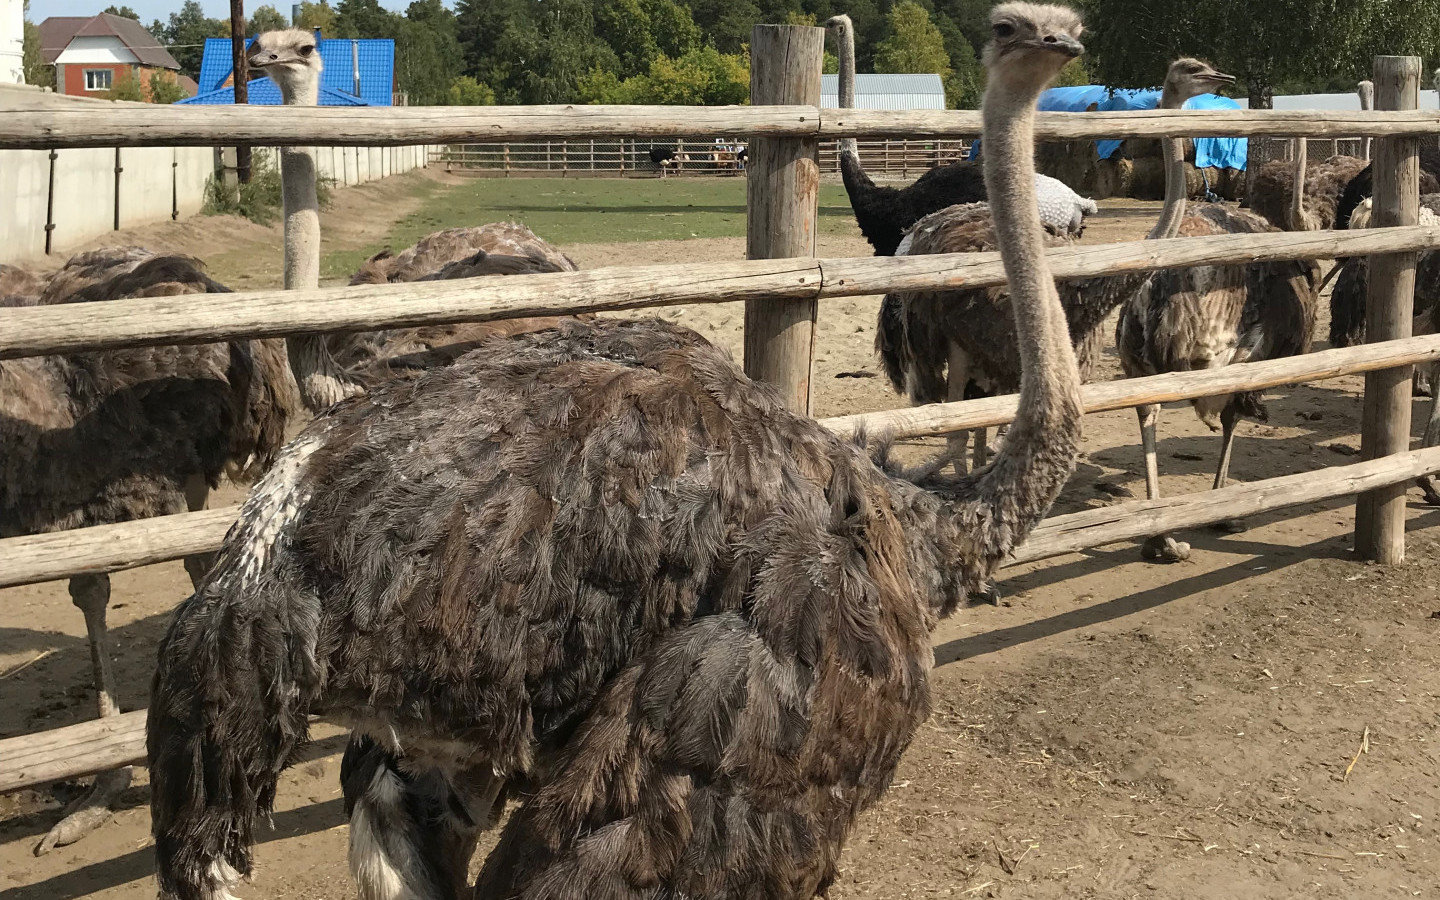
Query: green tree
x=364, y=19
x=1295, y=43
x=165, y=88
x=36, y=71
x=266, y=18
x=126, y=87
x=427, y=54
x=541, y=59
x=124, y=12
x=914, y=43
x=466, y=91
x=184, y=35
x=317, y=15
x=702, y=77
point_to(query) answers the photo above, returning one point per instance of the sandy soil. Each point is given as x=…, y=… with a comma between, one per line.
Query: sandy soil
x=1113, y=729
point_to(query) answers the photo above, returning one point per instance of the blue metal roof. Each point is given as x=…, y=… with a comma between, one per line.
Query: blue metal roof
x=374, y=58
x=887, y=92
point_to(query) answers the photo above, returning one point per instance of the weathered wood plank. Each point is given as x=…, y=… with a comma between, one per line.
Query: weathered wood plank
x=146, y=125
x=274, y=126
x=197, y=318
x=782, y=195
x=1141, y=518
x=72, y=751
x=1385, y=417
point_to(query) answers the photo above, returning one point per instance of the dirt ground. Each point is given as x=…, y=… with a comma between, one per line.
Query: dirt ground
x=1260, y=721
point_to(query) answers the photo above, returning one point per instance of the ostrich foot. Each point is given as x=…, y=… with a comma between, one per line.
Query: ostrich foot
x=989, y=593
x=1164, y=548
x=1427, y=487
x=1230, y=526
x=89, y=812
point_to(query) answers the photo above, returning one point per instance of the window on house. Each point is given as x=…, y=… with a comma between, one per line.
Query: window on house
x=98, y=79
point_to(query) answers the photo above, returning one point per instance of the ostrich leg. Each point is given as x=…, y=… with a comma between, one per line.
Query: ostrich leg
x=1161, y=546
x=92, y=594
x=196, y=492
x=1229, y=418
x=1432, y=435
x=957, y=376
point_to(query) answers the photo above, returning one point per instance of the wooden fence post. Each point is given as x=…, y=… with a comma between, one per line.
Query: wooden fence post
x=1385, y=422
x=782, y=192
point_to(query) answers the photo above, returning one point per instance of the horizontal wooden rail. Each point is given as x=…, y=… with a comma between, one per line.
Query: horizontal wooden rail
x=73, y=751
x=181, y=126
x=943, y=418
x=1142, y=518
x=192, y=318
x=110, y=548
x=91, y=747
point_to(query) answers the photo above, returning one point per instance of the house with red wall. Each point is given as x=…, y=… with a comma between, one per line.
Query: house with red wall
x=93, y=54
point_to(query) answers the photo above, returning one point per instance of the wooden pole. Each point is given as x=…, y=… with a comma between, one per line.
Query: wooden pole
x=782, y=197
x=241, y=77
x=1385, y=420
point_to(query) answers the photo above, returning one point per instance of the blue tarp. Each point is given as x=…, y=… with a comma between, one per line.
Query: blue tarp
x=375, y=58
x=1225, y=153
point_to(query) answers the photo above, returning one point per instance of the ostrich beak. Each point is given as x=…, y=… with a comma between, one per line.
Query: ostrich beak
x=1060, y=43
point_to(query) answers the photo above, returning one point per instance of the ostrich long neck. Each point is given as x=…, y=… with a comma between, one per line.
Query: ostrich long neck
x=320, y=381
x=846, y=81
x=1298, y=220
x=1039, y=453
x=1176, y=190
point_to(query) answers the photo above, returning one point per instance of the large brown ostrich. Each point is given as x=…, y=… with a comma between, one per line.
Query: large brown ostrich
x=1205, y=317
x=600, y=568
x=118, y=435
x=952, y=345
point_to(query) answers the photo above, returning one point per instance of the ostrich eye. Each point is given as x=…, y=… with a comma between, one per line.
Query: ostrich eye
x=307, y=49
x=1004, y=29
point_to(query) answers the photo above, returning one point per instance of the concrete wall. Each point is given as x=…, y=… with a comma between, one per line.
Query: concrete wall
x=154, y=181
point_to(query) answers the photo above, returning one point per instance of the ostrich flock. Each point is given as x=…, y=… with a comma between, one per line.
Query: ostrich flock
x=586, y=564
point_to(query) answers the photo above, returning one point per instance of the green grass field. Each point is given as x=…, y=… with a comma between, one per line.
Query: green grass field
x=590, y=210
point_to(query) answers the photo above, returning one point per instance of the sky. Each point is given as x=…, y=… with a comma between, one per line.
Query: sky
x=151, y=10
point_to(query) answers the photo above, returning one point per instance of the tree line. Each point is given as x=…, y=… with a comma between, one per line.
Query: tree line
x=697, y=51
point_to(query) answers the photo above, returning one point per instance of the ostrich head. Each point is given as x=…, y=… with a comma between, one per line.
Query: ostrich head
x=1188, y=78
x=839, y=24
x=1031, y=44
x=289, y=58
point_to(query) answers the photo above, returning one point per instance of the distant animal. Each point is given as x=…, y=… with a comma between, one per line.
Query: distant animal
x=602, y=570
x=112, y=436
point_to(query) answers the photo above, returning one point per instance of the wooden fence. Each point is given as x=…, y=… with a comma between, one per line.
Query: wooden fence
x=782, y=285
x=690, y=157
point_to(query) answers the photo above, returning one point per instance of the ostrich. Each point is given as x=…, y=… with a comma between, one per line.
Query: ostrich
x=884, y=214
x=603, y=569
x=1366, y=91
x=1295, y=196
x=939, y=345
x=501, y=248
x=1347, y=298
x=1362, y=185
x=113, y=436
x=1210, y=316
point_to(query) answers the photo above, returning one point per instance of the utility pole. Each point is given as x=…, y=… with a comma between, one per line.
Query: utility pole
x=241, y=80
